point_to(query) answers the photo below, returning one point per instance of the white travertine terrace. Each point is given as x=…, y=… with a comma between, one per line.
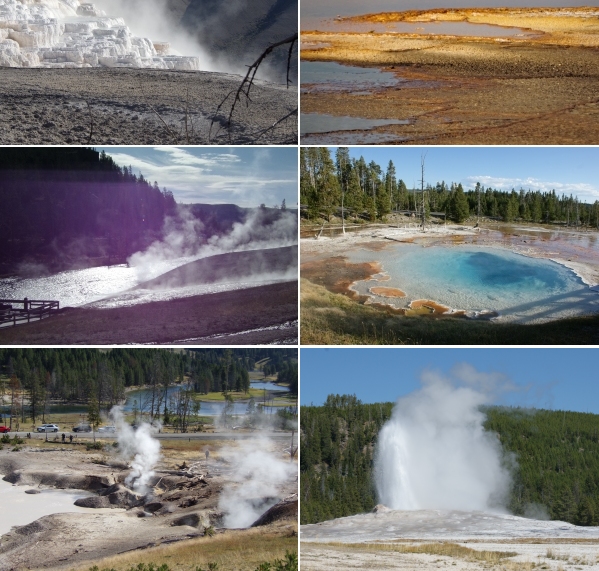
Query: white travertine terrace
x=71, y=33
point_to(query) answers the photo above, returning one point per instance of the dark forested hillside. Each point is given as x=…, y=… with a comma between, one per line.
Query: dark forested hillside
x=60, y=205
x=46, y=376
x=370, y=191
x=557, y=455
x=337, y=444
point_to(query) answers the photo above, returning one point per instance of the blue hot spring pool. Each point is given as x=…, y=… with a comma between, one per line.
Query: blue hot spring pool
x=477, y=279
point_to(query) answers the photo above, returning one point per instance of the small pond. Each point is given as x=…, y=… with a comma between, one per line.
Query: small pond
x=479, y=279
x=19, y=508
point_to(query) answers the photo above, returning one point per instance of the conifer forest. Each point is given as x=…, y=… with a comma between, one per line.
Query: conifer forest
x=39, y=377
x=369, y=192
x=555, y=457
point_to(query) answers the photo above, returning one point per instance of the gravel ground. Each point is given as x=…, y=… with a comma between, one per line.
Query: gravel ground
x=252, y=311
x=129, y=107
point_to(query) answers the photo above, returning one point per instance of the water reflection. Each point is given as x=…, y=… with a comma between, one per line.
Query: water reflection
x=141, y=399
x=317, y=9
x=323, y=123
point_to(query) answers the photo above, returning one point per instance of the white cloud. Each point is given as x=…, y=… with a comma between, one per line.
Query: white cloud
x=215, y=177
x=584, y=191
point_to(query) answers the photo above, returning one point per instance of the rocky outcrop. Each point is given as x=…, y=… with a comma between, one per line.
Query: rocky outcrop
x=285, y=509
x=59, y=480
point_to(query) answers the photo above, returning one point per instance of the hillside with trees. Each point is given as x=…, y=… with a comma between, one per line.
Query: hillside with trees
x=557, y=454
x=368, y=191
x=33, y=379
x=59, y=205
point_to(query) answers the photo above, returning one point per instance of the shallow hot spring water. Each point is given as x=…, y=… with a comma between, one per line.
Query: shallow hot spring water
x=477, y=280
x=19, y=508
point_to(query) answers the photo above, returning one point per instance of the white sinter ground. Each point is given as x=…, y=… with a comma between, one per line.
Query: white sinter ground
x=71, y=33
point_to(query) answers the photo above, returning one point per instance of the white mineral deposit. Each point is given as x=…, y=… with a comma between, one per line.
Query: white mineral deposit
x=71, y=33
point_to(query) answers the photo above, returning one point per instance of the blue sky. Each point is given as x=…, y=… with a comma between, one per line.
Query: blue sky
x=215, y=175
x=556, y=378
x=565, y=170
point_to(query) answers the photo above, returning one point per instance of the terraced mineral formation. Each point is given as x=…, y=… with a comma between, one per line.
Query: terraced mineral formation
x=71, y=33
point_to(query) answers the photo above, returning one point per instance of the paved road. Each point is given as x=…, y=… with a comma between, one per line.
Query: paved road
x=284, y=436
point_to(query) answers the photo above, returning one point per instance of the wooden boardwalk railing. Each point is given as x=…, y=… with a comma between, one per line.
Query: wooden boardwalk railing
x=16, y=311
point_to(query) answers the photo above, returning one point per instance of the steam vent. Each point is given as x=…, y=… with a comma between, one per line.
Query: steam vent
x=70, y=33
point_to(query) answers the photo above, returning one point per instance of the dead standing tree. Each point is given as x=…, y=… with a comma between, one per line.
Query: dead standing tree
x=243, y=91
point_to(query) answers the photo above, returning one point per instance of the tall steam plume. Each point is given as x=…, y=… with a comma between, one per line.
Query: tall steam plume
x=434, y=452
x=257, y=477
x=138, y=445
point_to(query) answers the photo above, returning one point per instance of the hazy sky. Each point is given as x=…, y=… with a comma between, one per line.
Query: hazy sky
x=565, y=170
x=215, y=175
x=546, y=378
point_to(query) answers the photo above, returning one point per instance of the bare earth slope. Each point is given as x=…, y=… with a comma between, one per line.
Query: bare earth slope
x=228, y=267
x=141, y=106
x=169, y=321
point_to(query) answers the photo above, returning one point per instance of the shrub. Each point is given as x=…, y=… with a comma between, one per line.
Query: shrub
x=98, y=446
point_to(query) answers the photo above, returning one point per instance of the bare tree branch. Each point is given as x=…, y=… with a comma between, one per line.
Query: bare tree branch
x=248, y=81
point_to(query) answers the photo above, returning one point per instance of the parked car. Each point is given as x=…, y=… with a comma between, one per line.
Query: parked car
x=48, y=428
x=4, y=429
x=107, y=429
x=82, y=428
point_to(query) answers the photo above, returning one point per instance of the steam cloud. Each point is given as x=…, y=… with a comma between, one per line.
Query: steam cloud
x=434, y=452
x=139, y=445
x=183, y=238
x=152, y=19
x=255, y=483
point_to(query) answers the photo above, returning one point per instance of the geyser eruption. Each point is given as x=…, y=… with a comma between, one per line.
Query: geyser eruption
x=257, y=477
x=72, y=33
x=138, y=445
x=434, y=452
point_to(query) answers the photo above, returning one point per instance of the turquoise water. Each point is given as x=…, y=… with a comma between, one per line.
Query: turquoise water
x=482, y=279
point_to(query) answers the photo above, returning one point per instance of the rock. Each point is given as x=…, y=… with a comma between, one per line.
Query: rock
x=380, y=508
x=285, y=509
x=192, y=519
x=32, y=492
x=46, y=33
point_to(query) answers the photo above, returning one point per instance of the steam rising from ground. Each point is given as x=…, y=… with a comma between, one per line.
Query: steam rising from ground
x=152, y=19
x=139, y=445
x=434, y=452
x=257, y=477
x=184, y=238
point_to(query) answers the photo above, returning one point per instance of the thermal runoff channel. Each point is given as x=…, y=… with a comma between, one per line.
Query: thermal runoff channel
x=71, y=33
x=434, y=452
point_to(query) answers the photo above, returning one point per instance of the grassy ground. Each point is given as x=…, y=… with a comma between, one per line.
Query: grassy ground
x=242, y=550
x=333, y=319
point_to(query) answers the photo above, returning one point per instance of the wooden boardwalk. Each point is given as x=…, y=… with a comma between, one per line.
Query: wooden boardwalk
x=16, y=311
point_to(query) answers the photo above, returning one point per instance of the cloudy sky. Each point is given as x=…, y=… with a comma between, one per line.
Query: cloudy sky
x=568, y=170
x=216, y=175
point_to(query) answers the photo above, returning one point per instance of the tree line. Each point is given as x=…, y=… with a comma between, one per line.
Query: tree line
x=31, y=380
x=557, y=454
x=369, y=191
x=59, y=205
